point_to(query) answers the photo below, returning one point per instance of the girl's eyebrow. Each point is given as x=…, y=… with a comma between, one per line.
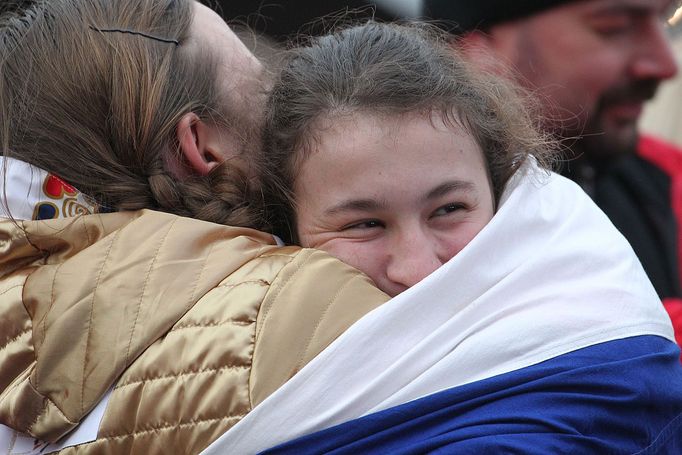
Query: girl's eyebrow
x=448, y=187
x=354, y=205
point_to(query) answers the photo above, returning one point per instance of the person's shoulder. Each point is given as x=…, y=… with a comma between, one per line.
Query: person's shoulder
x=323, y=280
x=314, y=299
x=319, y=284
x=295, y=266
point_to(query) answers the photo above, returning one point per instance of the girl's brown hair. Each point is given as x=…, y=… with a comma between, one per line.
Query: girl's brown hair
x=92, y=91
x=390, y=69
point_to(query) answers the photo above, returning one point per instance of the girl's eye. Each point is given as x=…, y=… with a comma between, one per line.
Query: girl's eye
x=367, y=224
x=447, y=209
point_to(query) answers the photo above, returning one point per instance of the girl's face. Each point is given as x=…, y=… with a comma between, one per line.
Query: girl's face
x=395, y=197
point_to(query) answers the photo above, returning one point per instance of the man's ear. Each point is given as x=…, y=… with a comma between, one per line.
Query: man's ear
x=194, y=138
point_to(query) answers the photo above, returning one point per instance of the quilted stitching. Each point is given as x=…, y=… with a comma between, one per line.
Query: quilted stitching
x=306, y=352
x=89, y=326
x=175, y=376
x=144, y=287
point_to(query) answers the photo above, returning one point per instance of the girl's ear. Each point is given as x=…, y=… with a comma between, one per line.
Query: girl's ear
x=194, y=138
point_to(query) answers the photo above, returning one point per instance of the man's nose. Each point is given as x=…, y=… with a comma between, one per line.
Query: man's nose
x=412, y=260
x=654, y=58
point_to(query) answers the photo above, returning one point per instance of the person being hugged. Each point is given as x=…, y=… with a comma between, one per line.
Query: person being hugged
x=392, y=157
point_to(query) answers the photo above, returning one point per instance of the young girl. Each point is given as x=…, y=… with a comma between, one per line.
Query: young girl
x=389, y=152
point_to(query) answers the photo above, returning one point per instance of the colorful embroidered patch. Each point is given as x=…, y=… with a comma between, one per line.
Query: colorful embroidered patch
x=32, y=193
x=56, y=188
x=71, y=207
x=45, y=211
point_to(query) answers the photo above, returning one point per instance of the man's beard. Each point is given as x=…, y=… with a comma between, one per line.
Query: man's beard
x=603, y=138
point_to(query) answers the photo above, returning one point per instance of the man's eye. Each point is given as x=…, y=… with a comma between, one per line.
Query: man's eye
x=613, y=26
x=366, y=224
x=448, y=208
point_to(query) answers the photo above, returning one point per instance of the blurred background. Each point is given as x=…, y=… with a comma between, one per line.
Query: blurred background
x=663, y=115
x=265, y=25
x=279, y=19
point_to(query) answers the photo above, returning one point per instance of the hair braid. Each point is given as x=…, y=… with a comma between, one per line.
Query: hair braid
x=227, y=195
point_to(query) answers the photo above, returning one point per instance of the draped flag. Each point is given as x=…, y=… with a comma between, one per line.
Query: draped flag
x=543, y=335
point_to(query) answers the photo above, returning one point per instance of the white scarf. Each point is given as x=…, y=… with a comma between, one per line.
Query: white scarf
x=547, y=276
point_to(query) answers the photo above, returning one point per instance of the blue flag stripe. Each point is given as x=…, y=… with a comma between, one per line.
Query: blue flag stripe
x=622, y=396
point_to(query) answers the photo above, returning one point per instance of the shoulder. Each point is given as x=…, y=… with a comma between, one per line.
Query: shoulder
x=280, y=309
x=313, y=299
